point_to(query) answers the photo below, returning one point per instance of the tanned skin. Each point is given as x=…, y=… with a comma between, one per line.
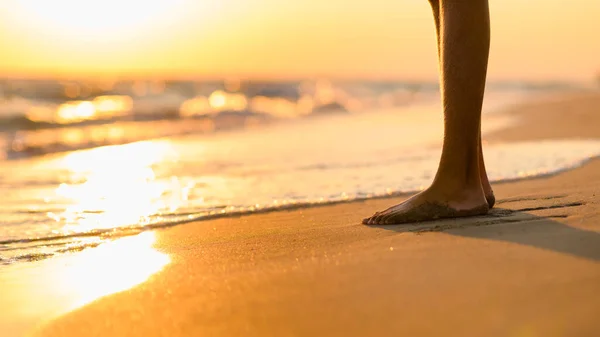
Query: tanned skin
x=460, y=187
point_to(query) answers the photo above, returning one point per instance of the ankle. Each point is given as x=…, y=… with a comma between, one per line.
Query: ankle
x=454, y=186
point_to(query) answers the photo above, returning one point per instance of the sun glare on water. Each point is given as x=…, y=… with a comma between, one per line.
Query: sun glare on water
x=120, y=187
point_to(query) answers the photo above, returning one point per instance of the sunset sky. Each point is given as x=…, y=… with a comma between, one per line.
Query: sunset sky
x=532, y=39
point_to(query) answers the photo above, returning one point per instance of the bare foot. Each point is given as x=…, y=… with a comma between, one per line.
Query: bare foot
x=431, y=205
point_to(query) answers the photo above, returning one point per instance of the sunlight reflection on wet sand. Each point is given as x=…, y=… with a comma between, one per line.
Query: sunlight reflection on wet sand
x=38, y=292
x=110, y=268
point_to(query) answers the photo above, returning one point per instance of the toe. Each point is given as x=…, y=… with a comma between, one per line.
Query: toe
x=385, y=217
x=368, y=221
x=371, y=220
x=377, y=220
x=388, y=220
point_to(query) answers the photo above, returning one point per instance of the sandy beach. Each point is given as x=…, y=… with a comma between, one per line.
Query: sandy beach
x=529, y=268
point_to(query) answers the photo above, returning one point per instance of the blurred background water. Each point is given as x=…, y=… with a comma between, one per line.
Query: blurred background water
x=87, y=162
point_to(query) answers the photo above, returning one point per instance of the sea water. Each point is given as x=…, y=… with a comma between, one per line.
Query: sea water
x=69, y=200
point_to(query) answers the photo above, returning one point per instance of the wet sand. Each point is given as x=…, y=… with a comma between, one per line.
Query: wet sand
x=529, y=268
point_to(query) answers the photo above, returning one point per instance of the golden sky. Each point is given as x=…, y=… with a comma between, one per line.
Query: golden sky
x=532, y=39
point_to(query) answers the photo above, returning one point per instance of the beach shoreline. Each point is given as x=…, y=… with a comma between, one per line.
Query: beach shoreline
x=531, y=267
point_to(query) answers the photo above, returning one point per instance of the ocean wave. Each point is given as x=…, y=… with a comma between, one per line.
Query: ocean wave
x=37, y=141
x=28, y=249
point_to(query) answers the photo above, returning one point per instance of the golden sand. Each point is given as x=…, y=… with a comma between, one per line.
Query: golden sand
x=529, y=268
